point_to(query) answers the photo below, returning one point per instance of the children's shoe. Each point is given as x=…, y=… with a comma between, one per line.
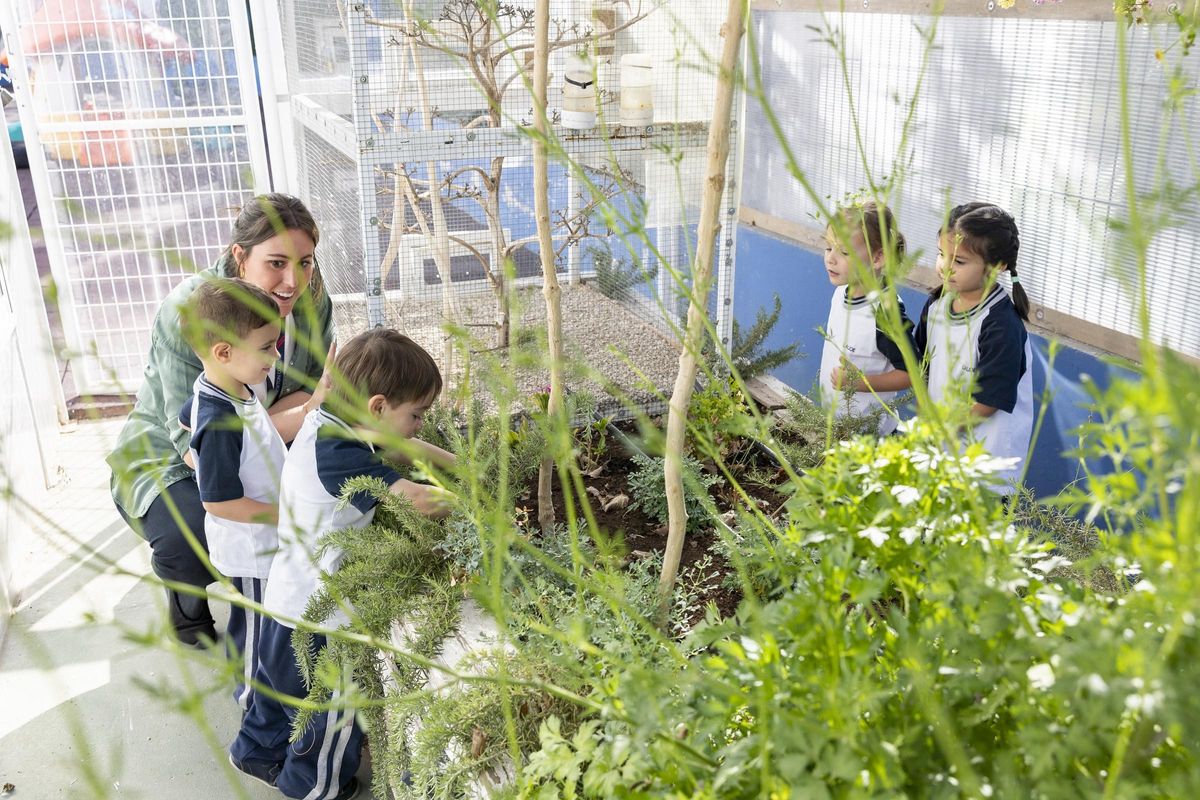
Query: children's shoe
x=350, y=790
x=197, y=631
x=264, y=772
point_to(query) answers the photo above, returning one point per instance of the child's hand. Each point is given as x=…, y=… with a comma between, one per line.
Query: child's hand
x=434, y=502
x=324, y=384
x=846, y=375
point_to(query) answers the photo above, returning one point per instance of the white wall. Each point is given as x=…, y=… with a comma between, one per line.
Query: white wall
x=31, y=396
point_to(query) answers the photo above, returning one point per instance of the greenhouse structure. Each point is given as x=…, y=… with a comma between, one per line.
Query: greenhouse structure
x=600, y=398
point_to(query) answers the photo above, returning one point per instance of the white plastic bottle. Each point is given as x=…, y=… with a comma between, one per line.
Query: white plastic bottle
x=579, y=94
x=637, y=90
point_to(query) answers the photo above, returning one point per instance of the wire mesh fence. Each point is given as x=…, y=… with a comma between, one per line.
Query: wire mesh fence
x=413, y=123
x=148, y=137
x=1023, y=112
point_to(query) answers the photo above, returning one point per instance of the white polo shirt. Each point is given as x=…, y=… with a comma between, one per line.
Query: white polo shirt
x=853, y=333
x=985, y=351
x=325, y=453
x=237, y=453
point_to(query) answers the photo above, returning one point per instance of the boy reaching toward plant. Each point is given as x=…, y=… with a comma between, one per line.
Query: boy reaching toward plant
x=233, y=326
x=858, y=355
x=383, y=383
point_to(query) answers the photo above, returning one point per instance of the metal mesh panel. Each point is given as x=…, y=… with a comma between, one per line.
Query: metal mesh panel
x=408, y=104
x=1019, y=112
x=145, y=152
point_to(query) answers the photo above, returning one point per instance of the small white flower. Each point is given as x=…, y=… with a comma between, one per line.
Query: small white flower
x=910, y=535
x=906, y=495
x=877, y=535
x=947, y=670
x=1144, y=585
x=1047, y=565
x=1145, y=702
x=995, y=464
x=1041, y=676
x=986, y=790
x=1095, y=684
x=1051, y=605
x=751, y=647
x=816, y=537
x=864, y=778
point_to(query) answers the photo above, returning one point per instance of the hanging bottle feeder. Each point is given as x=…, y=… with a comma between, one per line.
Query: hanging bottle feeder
x=579, y=94
x=637, y=90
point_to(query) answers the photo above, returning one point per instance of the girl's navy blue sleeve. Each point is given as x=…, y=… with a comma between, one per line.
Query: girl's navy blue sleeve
x=339, y=459
x=217, y=441
x=1001, y=360
x=890, y=349
x=921, y=333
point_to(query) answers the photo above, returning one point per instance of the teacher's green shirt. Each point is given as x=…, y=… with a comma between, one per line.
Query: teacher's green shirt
x=150, y=449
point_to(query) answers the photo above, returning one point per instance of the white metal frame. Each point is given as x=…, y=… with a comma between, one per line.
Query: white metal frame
x=88, y=369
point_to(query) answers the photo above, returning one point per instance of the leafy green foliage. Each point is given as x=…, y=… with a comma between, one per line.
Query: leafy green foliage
x=616, y=277
x=390, y=570
x=917, y=643
x=719, y=420
x=647, y=489
x=807, y=430
x=749, y=353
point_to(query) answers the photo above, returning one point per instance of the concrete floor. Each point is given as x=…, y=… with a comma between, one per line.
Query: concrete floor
x=93, y=699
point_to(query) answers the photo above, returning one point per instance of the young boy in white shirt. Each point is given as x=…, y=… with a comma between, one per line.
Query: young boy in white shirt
x=233, y=326
x=383, y=383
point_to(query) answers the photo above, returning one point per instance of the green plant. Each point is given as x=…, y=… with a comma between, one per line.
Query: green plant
x=719, y=420
x=748, y=353
x=390, y=570
x=646, y=488
x=918, y=644
x=616, y=277
x=804, y=434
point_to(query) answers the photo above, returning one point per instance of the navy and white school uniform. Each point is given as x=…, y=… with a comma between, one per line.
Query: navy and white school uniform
x=237, y=453
x=853, y=334
x=325, y=453
x=984, y=350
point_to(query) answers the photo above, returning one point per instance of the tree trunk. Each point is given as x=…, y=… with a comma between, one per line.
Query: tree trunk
x=499, y=276
x=706, y=235
x=550, y=288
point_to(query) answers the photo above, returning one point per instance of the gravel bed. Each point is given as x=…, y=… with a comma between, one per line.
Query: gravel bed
x=608, y=337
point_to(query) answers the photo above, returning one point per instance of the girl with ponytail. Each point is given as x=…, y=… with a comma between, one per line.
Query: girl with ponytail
x=972, y=333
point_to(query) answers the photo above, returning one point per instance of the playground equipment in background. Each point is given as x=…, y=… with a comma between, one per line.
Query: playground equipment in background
x=129, y=66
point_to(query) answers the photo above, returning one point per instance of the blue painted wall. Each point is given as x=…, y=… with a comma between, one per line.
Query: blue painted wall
x=766, y=265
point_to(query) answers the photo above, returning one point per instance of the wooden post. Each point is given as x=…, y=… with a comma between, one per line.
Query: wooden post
x=541, y=206
x=707, y=230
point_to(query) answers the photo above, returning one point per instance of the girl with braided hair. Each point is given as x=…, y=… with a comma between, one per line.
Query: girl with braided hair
x=972, y=333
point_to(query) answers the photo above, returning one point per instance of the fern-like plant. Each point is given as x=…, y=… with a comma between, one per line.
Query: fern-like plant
x=647, y=489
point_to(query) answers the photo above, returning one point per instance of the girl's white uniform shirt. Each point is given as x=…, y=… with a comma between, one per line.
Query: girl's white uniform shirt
x=238, y=453
x=985, y=351
x=325, y=453
x=853, y=333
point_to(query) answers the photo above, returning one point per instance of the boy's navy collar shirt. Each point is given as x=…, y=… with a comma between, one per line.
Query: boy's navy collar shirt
x=325, y=454
x=238, y=453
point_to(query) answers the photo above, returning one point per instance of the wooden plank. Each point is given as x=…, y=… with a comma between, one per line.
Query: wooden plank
x=1081, y=334
x=1095, y=10
x=769, y=392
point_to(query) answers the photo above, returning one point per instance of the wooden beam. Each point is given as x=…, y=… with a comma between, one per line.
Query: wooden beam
x=1095, y=10
x=1079, y=333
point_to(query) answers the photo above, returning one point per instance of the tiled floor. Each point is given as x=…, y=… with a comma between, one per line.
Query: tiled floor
x=92, y=699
